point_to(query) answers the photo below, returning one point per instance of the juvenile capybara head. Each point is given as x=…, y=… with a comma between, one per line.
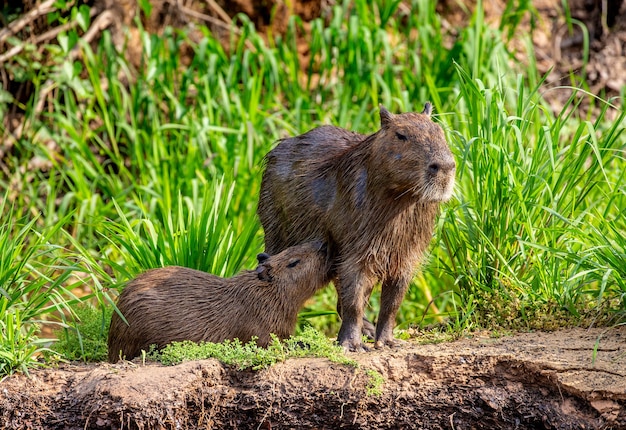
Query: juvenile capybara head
x=412, y=151
x=177, y=303
x=296, y=273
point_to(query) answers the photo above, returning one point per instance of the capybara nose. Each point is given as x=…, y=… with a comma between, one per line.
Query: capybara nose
x=446, y=165
x=433, y=168
x=262, y=257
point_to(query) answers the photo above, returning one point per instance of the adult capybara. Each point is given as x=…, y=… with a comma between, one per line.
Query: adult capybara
x=373, y=199
x=176, y=303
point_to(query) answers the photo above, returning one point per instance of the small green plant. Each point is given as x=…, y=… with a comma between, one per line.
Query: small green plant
x=310, y=343
x=375, y=383
x=20, y=348
x=85, y=338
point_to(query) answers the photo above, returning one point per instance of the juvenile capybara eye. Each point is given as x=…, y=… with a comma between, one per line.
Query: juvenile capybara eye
x=293, y=263
x=433, y=168
x=401, y=136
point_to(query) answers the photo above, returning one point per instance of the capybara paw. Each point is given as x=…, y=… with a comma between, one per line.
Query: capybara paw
x=390, y=343
x=353, y=345
x=360, y=347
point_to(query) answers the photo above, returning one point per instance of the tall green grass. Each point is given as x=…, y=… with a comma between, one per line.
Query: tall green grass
x=530, y=185
x=196, y=233
x=157, y=161
x=35, y=282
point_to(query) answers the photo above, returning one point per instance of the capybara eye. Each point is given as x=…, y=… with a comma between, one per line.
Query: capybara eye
x=294, y=263
x=401, y=136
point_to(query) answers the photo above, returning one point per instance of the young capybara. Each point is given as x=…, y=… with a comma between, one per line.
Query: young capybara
x=373, y=199
x=176, y=303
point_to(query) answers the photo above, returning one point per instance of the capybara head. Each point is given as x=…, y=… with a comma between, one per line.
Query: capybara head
x=412, y=151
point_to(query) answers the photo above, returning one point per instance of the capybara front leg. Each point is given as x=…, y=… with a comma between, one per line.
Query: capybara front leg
x=368, y=329
x=393, y=291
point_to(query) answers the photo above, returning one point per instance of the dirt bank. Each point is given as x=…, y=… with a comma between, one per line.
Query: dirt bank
x=531, y=380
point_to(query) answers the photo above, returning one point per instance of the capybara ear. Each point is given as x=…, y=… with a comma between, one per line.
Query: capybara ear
x=263, y=273
x=262, y=257
x=385, y=116
x=428, y=108
x=321, y=246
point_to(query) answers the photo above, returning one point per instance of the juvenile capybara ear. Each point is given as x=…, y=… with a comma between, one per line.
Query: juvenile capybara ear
x=428, y=108
x=385, y=116
x=263, y=273
x=262, y=257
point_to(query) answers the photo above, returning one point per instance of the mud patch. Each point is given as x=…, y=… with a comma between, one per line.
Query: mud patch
x=569, y=379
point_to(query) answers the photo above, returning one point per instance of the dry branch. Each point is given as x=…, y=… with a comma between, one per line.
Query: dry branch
x=43, y=9
x=226, y=24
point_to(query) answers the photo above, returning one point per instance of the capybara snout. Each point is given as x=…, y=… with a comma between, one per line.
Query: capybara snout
x=177, y=303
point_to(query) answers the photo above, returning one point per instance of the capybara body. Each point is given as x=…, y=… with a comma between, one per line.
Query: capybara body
x=373, y=199
x=177, y=303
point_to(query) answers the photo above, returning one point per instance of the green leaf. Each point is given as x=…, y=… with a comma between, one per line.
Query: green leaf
x=83, y=17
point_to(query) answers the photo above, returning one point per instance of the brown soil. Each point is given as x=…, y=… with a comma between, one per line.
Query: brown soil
x=561, y=50
x=531, y=380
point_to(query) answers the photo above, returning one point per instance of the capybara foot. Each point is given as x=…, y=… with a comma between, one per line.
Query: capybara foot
x=390, y=343
x=354, y=346
x=350, y=338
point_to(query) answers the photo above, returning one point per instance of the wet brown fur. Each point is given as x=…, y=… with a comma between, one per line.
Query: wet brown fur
x=373, y=199
x=176, y=303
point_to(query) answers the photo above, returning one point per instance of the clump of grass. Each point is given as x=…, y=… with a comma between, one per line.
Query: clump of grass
x=33, y=286
x=309, y=343
x=85, y=338
x=20, y=347
x=197, y=231
x=375, y=383
x=528, y=184
x=605, y=263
